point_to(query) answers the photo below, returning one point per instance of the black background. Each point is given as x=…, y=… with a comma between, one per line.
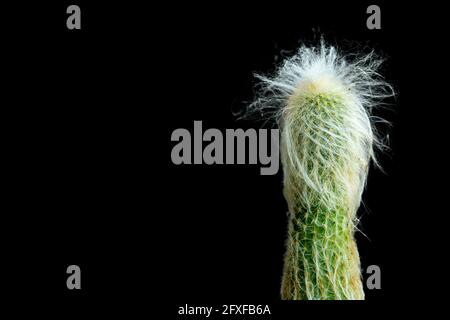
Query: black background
x=88, y=128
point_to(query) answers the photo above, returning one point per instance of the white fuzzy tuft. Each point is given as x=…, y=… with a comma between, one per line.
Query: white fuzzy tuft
x=322, y=68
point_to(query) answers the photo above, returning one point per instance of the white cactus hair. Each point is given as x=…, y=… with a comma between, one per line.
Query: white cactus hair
x=358, y=72
x=355, y=74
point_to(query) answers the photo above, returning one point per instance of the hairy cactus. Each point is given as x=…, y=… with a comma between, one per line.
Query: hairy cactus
x=323, y=103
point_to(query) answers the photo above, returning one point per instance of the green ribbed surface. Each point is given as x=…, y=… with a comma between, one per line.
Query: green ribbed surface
x=322, y=261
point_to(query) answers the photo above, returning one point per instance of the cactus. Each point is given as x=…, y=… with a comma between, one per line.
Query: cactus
x=323, y=101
